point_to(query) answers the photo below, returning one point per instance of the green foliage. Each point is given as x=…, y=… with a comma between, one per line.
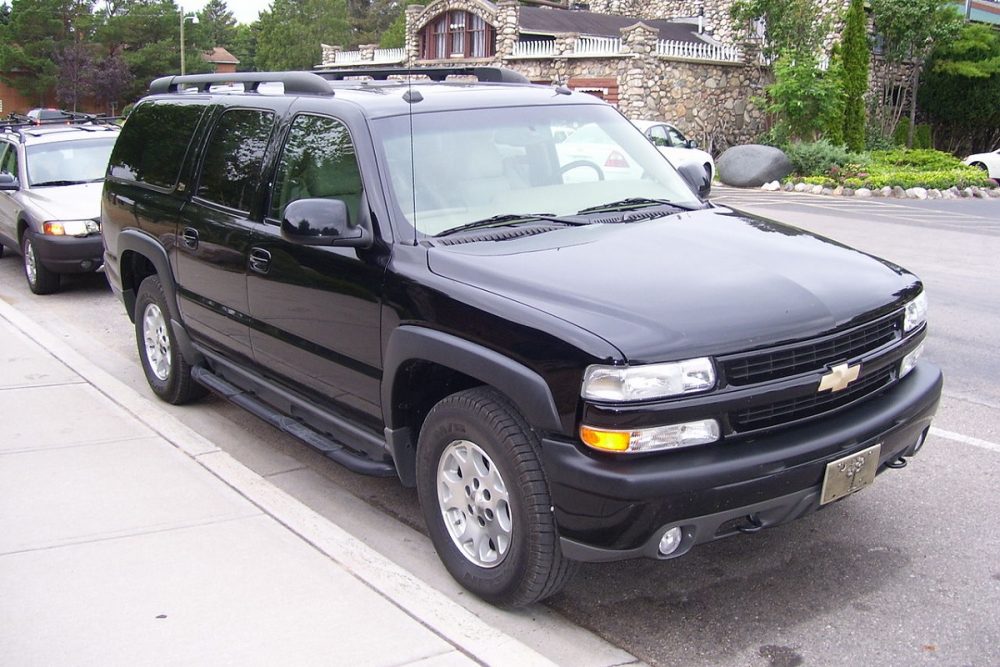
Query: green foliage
x=961, y=90
x=901, y=132
x=875, y=141
x=292, y=31
x=922, y=136
x=216, y=25
x=856, y=59
x=244, y=46
x=925, y=159
x=395, y=35
x=803, y=98
x=790, y=24
x=817, y=158
x=834, y=131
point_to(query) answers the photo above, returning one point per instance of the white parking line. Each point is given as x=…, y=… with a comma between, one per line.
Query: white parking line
x=968, y=440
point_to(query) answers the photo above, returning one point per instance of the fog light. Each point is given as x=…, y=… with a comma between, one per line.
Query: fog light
x=670, y=541
x=910, y=360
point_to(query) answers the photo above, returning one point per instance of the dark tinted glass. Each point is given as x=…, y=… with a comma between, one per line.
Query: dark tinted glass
x=234, y=157
x=154, y=141
x=318, y=161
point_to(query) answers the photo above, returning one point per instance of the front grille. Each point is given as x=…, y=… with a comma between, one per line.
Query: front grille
x=814, y=355
x=786, y=411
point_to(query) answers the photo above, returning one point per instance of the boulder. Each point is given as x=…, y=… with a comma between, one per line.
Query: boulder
x=752, y=166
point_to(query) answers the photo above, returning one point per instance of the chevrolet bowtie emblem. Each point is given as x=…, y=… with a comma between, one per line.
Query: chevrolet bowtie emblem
x=839, y=377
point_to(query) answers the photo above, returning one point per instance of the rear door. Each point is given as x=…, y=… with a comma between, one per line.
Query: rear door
x=8, y=206
x=213, y=236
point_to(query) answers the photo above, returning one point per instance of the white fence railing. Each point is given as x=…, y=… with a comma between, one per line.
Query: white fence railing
x=534, y=49
x=697, y=51
x=597, y=46
x=379, y=56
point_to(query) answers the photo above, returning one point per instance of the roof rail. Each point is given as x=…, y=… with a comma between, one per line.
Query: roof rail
x=484, y=74
x=302, y=83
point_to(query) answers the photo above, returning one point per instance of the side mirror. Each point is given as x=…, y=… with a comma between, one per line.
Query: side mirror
x=696, y=177
x=322, y=222
x=691, y=143
x=8, y=182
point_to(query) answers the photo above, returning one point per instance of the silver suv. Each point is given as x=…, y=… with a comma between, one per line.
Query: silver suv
x=50, y=198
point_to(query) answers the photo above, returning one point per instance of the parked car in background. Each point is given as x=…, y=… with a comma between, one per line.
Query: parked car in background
x=44, y=116
x=988, y=162
x=675, y=146
x=50, y=198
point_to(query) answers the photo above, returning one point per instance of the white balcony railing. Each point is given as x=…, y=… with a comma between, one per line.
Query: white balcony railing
x=534, y=49
x=597, y=46
x=378, y=56
x=697, y=51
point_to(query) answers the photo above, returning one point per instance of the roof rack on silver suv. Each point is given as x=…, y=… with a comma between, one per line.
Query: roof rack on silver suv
x=483, y=74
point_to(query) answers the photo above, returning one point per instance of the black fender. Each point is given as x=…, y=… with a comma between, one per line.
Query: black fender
x=142, y=243
x=523, y=386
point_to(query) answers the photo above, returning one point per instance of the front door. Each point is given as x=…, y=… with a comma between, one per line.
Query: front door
x=316, y=309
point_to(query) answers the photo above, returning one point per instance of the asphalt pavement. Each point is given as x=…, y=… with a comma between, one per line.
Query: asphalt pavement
x=127, y=538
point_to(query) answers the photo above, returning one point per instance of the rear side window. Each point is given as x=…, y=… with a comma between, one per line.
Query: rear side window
x=153, y=144
x=234, y=158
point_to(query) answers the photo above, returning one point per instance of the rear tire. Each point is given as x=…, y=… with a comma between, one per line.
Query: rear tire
x=40, y=279
x=486, y=502
x=168, y=374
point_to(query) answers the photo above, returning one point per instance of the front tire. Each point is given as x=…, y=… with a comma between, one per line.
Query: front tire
x=485, y=500
x=40, y=279
x=168, y=374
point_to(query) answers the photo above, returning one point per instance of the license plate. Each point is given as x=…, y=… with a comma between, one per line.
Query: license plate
x=850, y=474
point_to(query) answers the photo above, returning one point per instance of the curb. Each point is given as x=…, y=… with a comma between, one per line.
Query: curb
x=431, y=608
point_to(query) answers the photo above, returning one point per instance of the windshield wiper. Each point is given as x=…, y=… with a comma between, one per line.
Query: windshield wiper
x=505, y=220
x=631, y=203
x=44, y=183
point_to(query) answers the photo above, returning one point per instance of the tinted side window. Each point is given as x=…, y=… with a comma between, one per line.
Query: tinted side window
x=8, y=161
x=318, y=160
x=153, y=144
x=234, y=157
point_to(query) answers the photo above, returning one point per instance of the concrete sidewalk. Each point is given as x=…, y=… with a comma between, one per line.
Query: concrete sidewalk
x=126, y=538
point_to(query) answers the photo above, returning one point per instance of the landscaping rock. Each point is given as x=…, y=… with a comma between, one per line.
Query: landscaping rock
x=863, y=192
x=752, y=166
x=953, y=192
x=967, y=192
x=839, y=190
x=848, y=192
x=789, y=186
x=801, y=187
x=899, y=192
x=827, y=191
x=920, y=193
x=995, y=193
x=934, y=193
x=817, y=189
x=886, y=191
x=979, y=193
x=773, y=186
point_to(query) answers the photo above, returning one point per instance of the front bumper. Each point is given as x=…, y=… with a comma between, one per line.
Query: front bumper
x=70, y=254
x=613, y=508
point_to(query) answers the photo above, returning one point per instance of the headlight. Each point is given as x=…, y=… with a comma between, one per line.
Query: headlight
x=652, y=439
x=916, y=313
x=70, y=228
x=639, y=383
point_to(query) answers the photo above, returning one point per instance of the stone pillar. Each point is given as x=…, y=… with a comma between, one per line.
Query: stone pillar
x=412, y=43
x=507, y=27
x=641, y=75
x=565, y=44
x=329, y=54
x=367, y=52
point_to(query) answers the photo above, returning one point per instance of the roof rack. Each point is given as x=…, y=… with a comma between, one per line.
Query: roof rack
x=483, y=74
x=70, y=118
x=302, y=83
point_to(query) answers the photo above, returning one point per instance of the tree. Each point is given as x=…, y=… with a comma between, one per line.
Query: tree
x=788, y=25
x=111, y=82
x=216, y=25
x=369, y=19
x=35, y=33
x=856, y=58
x=960, y=91
x=292, y=31
x=75, y=62
x=394, y=36
x=244, y=46
x=909, y=30
x=803, y=98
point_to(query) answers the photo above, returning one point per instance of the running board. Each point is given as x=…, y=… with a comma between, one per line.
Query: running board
x=326, y=446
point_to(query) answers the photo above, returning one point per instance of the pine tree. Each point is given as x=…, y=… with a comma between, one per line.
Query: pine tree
x=856, y=57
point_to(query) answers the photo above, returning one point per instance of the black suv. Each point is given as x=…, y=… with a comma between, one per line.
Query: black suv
x=569, y=353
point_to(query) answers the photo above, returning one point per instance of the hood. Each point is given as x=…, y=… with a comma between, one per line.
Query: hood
x=66, y=202
x=702, y=283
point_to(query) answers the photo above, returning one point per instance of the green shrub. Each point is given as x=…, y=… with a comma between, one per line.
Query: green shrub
x=922, y=136
x=925, y=159
x=901, y=133
x=938, y=179
x=874, y=141
x=817, y=158
x=854, y=183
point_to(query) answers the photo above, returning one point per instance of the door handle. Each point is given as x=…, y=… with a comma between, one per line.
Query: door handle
x=124, y=201
x=260, y=260
x=190, y=237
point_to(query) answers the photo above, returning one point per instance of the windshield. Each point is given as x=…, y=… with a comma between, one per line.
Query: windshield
x=69, y=162
x=467, y=166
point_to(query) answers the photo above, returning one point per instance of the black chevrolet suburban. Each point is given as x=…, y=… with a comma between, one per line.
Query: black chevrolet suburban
x=570, y=353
